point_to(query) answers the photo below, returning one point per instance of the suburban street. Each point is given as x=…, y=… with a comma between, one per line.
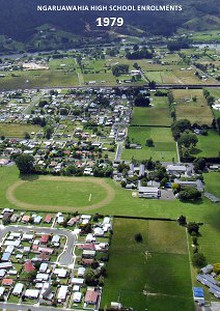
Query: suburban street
x=66, y=258
x=23, y=307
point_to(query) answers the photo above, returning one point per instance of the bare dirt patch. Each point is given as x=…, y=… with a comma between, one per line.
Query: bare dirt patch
x=101, y=182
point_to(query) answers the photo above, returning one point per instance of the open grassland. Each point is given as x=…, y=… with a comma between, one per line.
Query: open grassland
x=100, y=78
x=164, y=147
x=156, y=275
x=208, y=146
x=157, y=114
x=195, y=111
x=214, y=92
x=205, y=36
x=123, y=203
x=17, y=130
x=151, y=116
x=60, y=73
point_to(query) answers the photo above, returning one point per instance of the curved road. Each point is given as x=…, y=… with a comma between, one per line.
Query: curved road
x=66, y=257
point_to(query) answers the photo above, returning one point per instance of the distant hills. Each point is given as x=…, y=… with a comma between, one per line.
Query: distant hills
x=20, y=22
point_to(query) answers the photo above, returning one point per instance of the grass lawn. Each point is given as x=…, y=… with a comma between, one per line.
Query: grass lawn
x=17, y=130
x=204, y=142
x=57, y=193
x=157, y=114
x=124, y=204
x=212, y=182
x=164, y=149
x=156, y=271
x=151, y=116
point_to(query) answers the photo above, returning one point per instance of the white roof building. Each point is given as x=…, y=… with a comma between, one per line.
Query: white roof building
x=32, y=293
x=61, y=273
x=77, y=297
x=62, y=293
x=2, y=290
x=43, y=267
x=18, y=289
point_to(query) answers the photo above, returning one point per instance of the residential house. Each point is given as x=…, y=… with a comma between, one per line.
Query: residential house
x=91, y=297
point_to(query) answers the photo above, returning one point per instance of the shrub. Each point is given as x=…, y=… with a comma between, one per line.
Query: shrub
x=138, y=237
x=199, y=260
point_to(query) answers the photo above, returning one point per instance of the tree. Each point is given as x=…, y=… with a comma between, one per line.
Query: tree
x=179, y=127
x=199, y=260
x=48, y=131
x=182, y=220
x=193, y=227
x=216, y=268
x=176, y=187
x=188, y=139
x=141, y=101
x=25, y=163
x=199, y=164
x=189, y=194
x=152, y=84
x=149, y=142
x=138, y=237
x=27, y=135
x=90, y=277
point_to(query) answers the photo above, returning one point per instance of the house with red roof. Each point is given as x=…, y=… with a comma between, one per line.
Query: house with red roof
x=91, y=297
x=48, y=219
x=28, y=266
x=44, y=238
x=7, y=282
x=25, y=219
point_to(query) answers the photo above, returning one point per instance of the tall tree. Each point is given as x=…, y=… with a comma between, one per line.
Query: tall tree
x=25, y=163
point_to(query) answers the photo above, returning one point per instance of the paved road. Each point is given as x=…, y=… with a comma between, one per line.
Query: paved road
x=118, y=152
x=23, y=307
x=66, y=258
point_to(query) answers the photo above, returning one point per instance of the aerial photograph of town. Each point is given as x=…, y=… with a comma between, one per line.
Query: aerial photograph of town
x=109, y=155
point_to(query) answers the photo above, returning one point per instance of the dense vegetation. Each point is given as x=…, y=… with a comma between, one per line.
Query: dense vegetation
x=71, y=28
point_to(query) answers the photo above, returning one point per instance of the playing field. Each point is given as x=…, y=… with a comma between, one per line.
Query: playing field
x=60, y=193
x=164, y=147
x=152, y=275
x=120, y=201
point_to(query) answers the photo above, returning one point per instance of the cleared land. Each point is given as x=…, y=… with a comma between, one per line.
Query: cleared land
x=17, y=130
x=164, y=147
x=92, y=193
x=156, y=272
x=60, y=73
x=195, y=111
x=157, y=114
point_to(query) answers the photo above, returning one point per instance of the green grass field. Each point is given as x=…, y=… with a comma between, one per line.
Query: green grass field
x=204, y=142
x=124, y=204
x=17, y=130
x=156, y=272
x=157, y=114
x=57, y=193
x=164, y=149
x=151, y=116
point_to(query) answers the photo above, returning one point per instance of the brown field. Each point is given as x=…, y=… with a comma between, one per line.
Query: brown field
x=196, y=112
